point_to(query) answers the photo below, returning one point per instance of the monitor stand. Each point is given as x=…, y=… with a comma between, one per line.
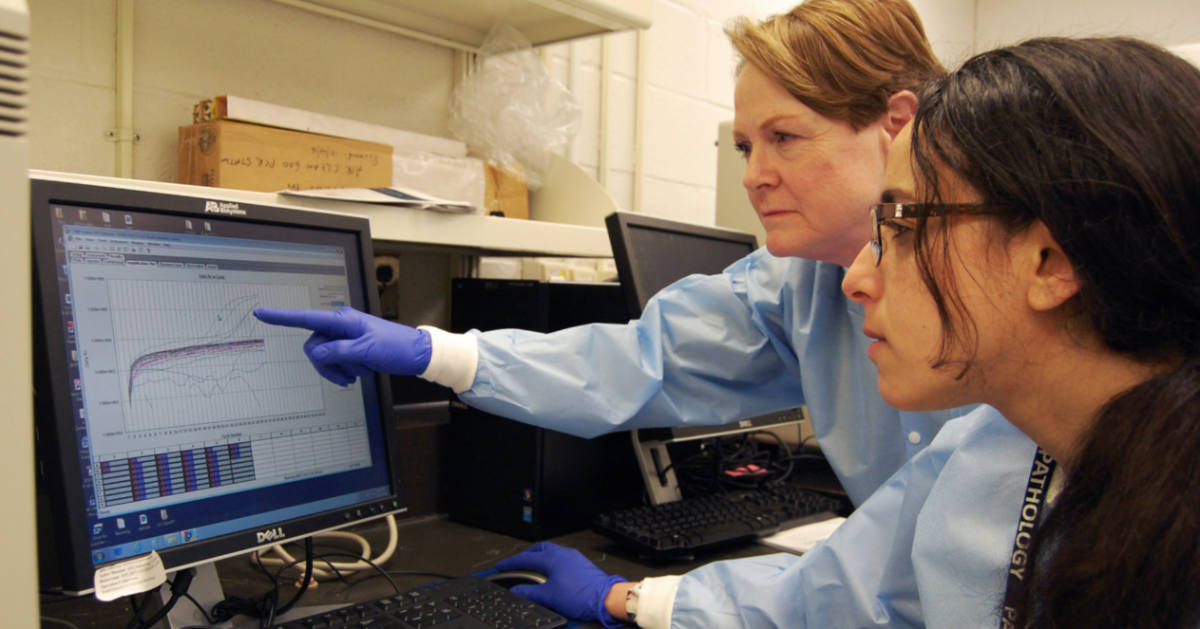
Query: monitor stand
x=205, y=588
x=662, y=485
x=655, y=463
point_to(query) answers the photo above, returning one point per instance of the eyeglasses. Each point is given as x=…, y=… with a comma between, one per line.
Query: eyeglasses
x=883, y=212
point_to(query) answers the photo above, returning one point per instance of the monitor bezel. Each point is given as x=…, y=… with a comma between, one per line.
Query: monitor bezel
x=620, y=225
x=59, y=460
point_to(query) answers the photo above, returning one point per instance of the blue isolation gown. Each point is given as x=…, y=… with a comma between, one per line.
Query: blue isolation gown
x=930, y=548
x=765, y=335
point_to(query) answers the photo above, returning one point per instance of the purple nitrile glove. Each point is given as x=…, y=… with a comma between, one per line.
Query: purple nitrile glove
x=574, y=586
x=346, y=343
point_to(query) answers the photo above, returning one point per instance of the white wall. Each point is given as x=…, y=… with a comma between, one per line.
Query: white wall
x=186, y=50
x=1165, y=22
x=689, y=90
x=950, y=26
x=690, y=78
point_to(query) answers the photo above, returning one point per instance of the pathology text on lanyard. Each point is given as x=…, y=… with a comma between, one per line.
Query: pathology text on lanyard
x=1032, y=511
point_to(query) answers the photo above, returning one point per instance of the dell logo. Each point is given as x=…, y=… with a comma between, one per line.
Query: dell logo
x=745, y=423
x=270, y=535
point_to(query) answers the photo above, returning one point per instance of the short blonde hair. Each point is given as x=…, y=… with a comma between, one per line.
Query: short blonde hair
x=841, y=58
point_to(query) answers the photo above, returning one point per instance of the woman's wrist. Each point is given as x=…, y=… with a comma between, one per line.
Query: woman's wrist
x=614, y=601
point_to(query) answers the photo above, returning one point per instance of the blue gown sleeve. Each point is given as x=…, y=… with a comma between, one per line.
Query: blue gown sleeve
x=765, y=335
x=707, y=350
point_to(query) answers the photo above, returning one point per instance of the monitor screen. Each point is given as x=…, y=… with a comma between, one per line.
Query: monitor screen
x=651, y=253
x=168, y=417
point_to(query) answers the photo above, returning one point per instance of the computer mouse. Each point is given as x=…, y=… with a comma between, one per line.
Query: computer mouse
x=509, y=578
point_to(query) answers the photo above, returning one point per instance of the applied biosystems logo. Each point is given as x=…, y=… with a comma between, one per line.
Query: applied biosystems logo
x=228, y=208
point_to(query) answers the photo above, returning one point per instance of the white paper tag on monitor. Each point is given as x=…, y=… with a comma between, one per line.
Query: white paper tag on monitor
x=129, y=577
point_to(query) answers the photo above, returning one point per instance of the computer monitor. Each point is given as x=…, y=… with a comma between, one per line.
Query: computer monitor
x=651, y=253
x=168, y=417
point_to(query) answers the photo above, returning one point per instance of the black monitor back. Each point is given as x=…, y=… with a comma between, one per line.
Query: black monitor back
x=651, y=253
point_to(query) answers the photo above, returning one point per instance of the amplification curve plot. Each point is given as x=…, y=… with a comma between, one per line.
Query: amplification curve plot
x=192, y=353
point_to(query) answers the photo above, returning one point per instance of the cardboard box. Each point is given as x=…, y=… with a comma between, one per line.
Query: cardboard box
x=245, y=156
x=258, y=112
x=505, y=195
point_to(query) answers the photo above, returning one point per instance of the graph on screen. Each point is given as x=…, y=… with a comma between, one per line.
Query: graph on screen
x=192, y=353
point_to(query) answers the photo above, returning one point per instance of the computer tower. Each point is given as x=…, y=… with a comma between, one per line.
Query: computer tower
x=512, y=478
x=487, y=304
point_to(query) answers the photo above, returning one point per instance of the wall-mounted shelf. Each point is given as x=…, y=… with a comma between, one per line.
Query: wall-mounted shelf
x=463, y=24
x=473, y=233
x=469, y=233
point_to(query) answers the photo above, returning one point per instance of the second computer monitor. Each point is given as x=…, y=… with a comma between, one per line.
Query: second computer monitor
x=651, y=253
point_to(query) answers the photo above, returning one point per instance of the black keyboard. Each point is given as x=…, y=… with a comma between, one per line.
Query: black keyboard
x=461, y=603
x=686, y=526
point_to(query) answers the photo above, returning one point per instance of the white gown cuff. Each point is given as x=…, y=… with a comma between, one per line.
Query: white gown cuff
x=656, y=602
x=453, y=359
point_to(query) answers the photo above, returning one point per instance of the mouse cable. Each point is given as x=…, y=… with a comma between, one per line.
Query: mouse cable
x=285, y=558
x=257, y=560
x=371, y=564
x=200, y=608
x=179, y=587
x=66, y=623
x=400, y=573
x=266, y=605
x=784, y=455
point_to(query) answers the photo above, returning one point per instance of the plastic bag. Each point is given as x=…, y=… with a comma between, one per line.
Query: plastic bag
x=510, y=111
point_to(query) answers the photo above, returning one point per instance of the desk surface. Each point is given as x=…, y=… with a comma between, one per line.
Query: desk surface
x=429, y=546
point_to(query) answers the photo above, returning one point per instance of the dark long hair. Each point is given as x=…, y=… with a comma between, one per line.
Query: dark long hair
x=1100, y=140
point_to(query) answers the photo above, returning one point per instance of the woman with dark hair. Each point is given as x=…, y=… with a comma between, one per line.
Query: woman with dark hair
x=1038, y=250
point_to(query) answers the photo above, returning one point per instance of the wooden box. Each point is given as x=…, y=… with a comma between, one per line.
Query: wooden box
x=505, y=194
x=230, y=154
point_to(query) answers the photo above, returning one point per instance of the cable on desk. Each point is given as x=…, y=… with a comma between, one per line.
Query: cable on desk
x=266, y=605
x=737, y=462
x=138, y=607
x=286, y=559
x=204, y=612
x=380, y=571
x=418, y=573
x=257, y=560
x=783, y=456
x=179, y=587
x=59, y=596
x=66, y=623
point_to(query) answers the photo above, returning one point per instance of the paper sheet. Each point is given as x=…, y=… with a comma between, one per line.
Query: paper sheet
x=384, y=196
x=133, y=576
x=803, y=538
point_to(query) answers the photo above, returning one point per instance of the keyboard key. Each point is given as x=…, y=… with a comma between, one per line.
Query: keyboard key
x=462, y=602
x=686, y=526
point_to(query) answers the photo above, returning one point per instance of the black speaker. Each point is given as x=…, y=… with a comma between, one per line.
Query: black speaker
x=517, y=479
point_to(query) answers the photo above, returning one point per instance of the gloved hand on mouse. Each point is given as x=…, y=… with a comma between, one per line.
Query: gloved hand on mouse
x=574, y=586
